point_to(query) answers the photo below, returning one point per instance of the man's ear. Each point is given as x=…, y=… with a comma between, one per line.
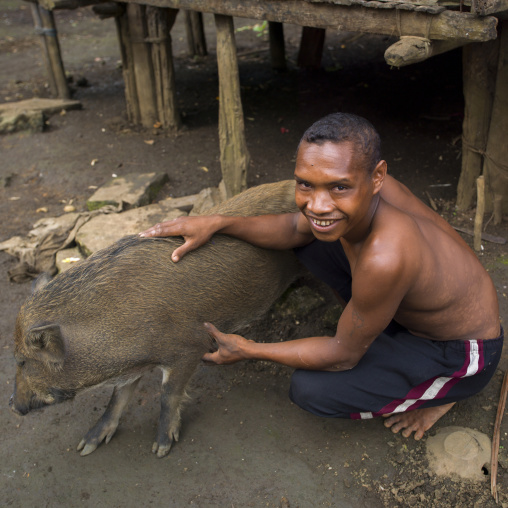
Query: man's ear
x=378, y=175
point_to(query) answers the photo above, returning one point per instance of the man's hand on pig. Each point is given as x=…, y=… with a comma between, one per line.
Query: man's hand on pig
x=230, y=347
x=196, y=231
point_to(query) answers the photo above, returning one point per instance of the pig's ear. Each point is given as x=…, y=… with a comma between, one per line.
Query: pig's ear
x=48, y=344
x=40, y=281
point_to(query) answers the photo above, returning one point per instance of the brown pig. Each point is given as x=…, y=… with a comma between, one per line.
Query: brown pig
x=129, y=308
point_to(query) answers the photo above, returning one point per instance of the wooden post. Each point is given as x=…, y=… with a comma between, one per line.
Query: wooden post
x=234, y=156
x=159, y=24
x=311, y=47
x=495, y=167
x=480, y=211
x=142, y=65
x=479, y=64
x=277, y=47
x=45, y=25
x=131, y=92
x=196, y=41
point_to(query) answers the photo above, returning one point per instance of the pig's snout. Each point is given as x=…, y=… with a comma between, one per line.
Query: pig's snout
x=20, y=410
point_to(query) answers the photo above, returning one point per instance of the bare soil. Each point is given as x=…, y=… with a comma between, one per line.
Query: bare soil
x=243, y=443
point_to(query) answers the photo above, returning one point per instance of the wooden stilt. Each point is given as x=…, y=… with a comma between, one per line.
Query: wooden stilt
x=277, y=47
x=131, y=92
x=196, y=41
x=495, y=166
x=479, y=77
x=234, y=156
x=480, y=212
x=159, y=24
x=311, y=47
x=45, y=24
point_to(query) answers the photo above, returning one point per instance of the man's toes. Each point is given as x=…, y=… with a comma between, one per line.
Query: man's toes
x=419, y=434
x=390, y=420
x=407, y=432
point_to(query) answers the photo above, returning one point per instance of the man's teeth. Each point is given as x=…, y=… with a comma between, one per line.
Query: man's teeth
x=322, y=222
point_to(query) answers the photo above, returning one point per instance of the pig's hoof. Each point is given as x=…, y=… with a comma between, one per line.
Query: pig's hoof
x=86, y=448
x=161, y=449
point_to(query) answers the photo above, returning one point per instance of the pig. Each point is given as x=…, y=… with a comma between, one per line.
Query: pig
x=128, y=308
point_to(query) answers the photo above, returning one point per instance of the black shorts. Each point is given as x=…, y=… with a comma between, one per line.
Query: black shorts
x=400, y=371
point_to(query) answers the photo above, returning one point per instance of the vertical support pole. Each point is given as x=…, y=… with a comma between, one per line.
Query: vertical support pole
x=480, y=212
x=196, y=41
x=311, y=47
x=142, y=65
x=159, y=24
x=495, y=167
x=131, y=93
x=45, y=24
x=479, y=64
x=234, y=156
x=277, y=46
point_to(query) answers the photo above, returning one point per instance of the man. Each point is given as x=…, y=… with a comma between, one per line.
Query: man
x=420, y=328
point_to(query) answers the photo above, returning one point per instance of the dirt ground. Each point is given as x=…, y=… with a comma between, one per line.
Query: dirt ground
x=243, y=443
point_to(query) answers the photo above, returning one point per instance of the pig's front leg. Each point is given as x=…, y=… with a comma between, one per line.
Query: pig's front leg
x=173, y=394
x=106, y=427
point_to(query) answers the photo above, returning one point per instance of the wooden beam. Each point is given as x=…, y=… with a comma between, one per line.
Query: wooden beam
x=234, y=156
x=410, y=50
x=442, y=26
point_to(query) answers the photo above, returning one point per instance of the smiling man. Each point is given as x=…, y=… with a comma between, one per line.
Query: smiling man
x=420, y=328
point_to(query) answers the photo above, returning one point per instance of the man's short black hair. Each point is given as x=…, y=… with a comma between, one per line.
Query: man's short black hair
x=346, y=127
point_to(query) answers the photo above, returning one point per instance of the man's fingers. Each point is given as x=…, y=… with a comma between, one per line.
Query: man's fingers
x=160, y=229
x=212, y=330
x=210, y=358
x=181, y=251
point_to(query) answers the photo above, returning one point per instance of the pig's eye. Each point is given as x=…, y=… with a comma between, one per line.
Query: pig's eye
x=21, y=363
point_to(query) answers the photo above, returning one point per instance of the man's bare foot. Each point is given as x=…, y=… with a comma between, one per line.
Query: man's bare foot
x=418, y=420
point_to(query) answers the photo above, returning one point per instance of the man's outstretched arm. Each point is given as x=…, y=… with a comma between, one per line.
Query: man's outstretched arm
x=284, y=231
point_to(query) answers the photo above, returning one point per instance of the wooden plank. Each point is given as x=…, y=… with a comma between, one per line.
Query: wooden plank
x=234, y=156
x=442, y=26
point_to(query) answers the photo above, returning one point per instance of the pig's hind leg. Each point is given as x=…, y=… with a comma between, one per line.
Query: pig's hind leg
x=106, y=427
x=174, y=381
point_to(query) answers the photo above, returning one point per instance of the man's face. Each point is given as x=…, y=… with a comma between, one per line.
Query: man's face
x=334, y=191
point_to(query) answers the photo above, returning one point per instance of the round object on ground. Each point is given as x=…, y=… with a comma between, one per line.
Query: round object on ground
x=459, y=451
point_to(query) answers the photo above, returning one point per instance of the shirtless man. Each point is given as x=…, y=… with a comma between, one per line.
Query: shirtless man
x=420, y=328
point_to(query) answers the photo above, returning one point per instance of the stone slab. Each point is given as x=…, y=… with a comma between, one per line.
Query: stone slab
x=48, y=106
x=129, y=191
x=67, y=258
x=206, y=199
x=103, y=230
x=21, y=121
x=184, y=203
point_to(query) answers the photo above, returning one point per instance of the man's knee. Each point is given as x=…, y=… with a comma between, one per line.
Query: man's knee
x=308, y=390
